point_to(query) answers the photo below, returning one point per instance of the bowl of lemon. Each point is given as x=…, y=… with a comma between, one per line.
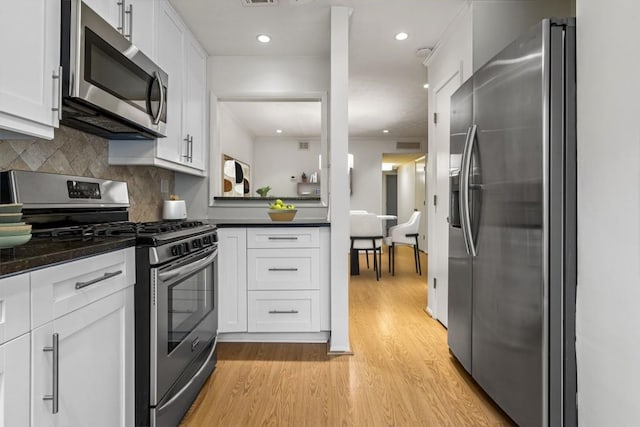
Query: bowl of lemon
x=280, y=211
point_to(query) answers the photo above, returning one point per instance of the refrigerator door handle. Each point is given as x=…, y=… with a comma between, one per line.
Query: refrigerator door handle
x=465, y=214
x=462, y=200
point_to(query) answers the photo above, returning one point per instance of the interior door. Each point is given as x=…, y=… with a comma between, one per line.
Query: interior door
x=420, y=197
x=440, y=264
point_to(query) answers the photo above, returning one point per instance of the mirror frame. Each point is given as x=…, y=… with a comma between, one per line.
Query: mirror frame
x=215, y=152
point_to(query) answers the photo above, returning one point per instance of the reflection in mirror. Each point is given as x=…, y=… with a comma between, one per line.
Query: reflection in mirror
x=236, y=178
x=278, y=140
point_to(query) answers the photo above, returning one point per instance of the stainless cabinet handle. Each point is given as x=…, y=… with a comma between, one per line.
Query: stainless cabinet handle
x=122, y=7
x=283, y=269
x=283, y=312
x=282, y=238
x=58, y=77
x=191, y=149
x=54, y=396
x=80, y=285
x=186, y=156
x=130, y=13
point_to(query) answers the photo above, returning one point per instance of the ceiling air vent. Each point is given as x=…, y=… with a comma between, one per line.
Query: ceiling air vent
x=408, y=146
x=259, y=2
x=303, y=145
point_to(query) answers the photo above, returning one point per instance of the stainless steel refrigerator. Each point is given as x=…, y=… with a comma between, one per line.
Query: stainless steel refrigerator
x=512, y=226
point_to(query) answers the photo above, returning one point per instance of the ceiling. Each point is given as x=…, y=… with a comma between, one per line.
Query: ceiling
x=300, y=119
x=386, y=77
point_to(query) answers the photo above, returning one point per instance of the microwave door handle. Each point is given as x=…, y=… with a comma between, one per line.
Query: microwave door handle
x=157, y=78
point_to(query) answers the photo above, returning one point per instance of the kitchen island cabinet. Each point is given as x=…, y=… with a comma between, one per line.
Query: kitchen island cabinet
x=29, y=80
x=277, y=289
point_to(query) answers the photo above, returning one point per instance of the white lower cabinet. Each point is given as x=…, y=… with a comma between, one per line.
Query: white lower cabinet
x=14, y=382
x=94, y=366
x=273, y=283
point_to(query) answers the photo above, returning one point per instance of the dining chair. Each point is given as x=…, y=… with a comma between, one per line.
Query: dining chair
x=366, y=235
x=405, y=234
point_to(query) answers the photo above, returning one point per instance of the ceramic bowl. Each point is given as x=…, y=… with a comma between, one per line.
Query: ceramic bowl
x=10, y=217
x=16, y=230
x=11, y=208
x=12, y=241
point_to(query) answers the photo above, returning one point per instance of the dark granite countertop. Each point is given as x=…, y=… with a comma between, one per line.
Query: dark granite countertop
x=252, y=223
x=42, y=252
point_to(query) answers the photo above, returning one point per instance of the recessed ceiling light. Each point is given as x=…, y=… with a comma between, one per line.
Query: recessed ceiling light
x=402, y=36
x=264, y=38
x=385, y=130
x=426, y=86
x=278, y=130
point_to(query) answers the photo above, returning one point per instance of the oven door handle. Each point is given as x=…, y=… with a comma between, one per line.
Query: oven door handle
x=188, y=269
x=191, y=381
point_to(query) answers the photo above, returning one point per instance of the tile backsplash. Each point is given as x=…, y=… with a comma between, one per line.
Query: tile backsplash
x=72, y=152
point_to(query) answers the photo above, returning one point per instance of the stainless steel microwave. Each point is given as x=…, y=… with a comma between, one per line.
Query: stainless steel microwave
x=110, y=88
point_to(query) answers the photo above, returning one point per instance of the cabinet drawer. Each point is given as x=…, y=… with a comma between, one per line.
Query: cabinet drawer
x=284, y=311
x=283, y=237
x=281, y=269
x=59, y=290
x=14, y=307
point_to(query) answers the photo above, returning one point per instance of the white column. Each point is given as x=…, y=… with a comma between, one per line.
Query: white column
x=339, y=179
x=608, y=293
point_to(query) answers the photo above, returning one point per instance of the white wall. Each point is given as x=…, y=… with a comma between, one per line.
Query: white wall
x=607, y=333
x=275, y=160
x=406, y=191
x=235, y=140
x=367, y=173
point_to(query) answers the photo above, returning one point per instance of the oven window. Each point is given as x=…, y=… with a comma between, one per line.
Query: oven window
x=189, y=301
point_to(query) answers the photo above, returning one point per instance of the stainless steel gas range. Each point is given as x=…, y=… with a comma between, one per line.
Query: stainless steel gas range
x=176, y=314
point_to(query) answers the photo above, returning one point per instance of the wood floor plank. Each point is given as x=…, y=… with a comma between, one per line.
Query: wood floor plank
x=401, y=372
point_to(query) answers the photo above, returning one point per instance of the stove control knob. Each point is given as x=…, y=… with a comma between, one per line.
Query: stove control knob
x=176, y=250
x=186, y=248
x=206, y=240
x=196, y=243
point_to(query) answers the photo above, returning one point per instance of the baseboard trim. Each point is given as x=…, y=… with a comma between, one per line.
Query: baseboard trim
x=429, y=312
x=275, y=337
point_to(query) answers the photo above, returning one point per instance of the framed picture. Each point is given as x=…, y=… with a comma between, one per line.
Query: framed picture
x=236, y=177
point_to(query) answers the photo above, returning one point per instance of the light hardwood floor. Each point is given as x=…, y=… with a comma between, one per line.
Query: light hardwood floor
x=400, y=373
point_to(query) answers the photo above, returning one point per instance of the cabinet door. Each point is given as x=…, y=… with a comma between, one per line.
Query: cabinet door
x=28, y=90
x=194, y=102
x=232, y=280
x=14, y=306
x=109, y=10
x=95, y=365
x=170, y=58
x=14, y=382
x=141, y=25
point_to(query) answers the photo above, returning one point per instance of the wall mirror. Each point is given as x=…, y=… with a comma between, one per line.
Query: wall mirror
x=276, y=142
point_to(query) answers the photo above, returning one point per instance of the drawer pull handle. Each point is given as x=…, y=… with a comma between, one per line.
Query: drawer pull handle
x=283, y=312
x=282, y=238
x=283, y=269
x=54, y=396
x=80, y=285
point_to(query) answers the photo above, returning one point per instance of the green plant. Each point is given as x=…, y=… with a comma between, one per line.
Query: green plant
x=262, y=191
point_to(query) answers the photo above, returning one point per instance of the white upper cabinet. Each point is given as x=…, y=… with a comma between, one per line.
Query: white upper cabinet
x=179, y=54
x=30, y=52
x=112, y=11
x=134, y=19
x=171, y=59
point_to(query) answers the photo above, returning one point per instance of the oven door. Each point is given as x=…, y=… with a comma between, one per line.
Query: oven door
x=184, y=317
